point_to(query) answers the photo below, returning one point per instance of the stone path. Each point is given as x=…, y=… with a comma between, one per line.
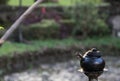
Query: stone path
x=66, y=71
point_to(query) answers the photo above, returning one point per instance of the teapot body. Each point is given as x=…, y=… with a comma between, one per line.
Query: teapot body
x=92, y=61
x=92, y=64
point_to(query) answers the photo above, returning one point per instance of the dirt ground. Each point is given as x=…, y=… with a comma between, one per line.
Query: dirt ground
x=66, y=71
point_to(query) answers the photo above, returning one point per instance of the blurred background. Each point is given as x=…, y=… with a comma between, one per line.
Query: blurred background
x=43, y=47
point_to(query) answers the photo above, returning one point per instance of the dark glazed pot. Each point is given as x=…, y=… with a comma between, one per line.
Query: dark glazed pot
x=92, y=61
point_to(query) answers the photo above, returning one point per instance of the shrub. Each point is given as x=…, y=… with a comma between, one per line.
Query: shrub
x=88, y=21
x=45, y=29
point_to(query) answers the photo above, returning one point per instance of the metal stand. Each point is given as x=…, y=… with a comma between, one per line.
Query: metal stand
x=93, y=79
x=93, y=76
x=92, y=64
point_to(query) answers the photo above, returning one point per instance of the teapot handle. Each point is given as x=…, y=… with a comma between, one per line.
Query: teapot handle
x=79, y=55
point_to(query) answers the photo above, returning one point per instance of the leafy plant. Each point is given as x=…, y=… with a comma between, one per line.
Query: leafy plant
x=45, y=29
x=1, y=28
x=88, y=21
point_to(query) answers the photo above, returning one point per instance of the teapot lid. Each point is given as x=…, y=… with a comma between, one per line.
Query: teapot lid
x=93, y=53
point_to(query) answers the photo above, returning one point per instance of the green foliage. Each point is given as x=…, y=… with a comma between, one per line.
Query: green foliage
x=73, y=2
x=24, y=2
x=108, y=44
x=1, y=28
x=88, y=21
x=60, y=2
x=42, y=30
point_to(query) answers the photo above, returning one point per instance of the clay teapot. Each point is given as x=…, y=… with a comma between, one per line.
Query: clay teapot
x=92, y=61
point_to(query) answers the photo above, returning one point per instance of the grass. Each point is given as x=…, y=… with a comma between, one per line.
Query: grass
x=9, y=48
x=24, y=2
x=30, y=2
x=45, y=23
x=60, y=2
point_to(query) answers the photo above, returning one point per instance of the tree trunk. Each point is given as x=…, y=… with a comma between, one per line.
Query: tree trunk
x=18, y=21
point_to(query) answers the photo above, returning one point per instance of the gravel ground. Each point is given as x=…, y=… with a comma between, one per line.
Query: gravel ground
x=66, y=71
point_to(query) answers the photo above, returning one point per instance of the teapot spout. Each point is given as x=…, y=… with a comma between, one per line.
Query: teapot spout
x=79, y=55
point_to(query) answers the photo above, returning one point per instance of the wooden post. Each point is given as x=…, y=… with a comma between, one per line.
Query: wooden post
x=18, y=21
